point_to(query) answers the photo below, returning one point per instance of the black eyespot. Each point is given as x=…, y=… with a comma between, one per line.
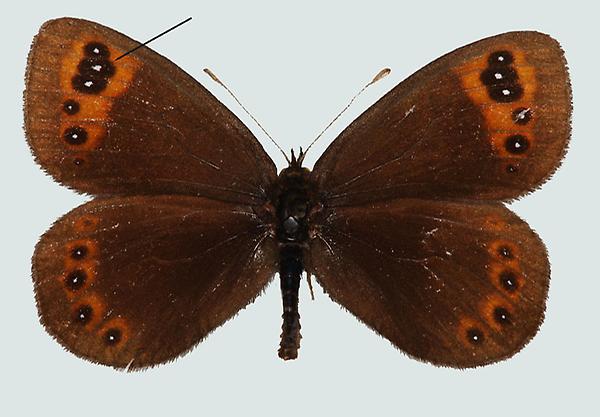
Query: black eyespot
x=508, y=280
x=522, y=115
x=79, y=252
x=96, y=49
x=75, y=135
x=75, y=279
x=516, y=144
x=78, y=161
x=505, y=252
x=83, y=314
x=71, y=107
x=500, y=58
x=499, y=76
x=501, y=315
x=87, y=84
x=475, y=336
x=505, y=93
x=512, y=169
x=96, y=68
x=112, y=337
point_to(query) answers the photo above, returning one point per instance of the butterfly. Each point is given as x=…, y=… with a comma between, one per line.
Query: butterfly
x=402, y=220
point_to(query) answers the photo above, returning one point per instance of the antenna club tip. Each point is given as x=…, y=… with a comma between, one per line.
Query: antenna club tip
x=212, y=75
x=381, y=74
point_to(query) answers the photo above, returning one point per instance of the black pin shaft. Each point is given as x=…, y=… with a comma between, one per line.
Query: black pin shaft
x=154, y=38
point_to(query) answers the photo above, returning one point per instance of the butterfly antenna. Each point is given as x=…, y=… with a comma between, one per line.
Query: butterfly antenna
x=381, y=74
x=218, y=81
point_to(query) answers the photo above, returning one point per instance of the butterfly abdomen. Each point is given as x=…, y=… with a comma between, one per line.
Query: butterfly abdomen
x=290, y=271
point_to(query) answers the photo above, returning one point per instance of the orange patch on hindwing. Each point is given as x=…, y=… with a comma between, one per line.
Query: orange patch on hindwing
x=503, y=85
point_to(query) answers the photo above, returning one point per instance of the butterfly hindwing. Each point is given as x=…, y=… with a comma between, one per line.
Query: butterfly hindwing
x=137, y=125
x=489, y=121
x=137, y=281
x=453, y=283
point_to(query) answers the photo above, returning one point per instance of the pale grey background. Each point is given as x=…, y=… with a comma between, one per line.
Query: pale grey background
x=295, y=67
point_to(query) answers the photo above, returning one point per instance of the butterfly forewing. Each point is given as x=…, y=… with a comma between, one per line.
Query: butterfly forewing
x=138, y=125
x=452, y=283
x=133, y=282
x=489, y=121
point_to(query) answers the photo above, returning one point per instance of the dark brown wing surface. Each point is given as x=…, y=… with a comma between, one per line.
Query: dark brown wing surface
x=454, y=284
x=139, y=125
x=489, y=121
x=137, y=281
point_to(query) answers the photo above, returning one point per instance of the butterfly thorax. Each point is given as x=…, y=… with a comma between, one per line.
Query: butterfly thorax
x=293, y=198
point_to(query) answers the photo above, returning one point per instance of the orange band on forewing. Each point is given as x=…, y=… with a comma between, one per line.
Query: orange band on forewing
x=93, y=108
x=499, y=116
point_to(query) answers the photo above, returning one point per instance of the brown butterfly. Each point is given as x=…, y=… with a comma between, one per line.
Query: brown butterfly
x=401, y=221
